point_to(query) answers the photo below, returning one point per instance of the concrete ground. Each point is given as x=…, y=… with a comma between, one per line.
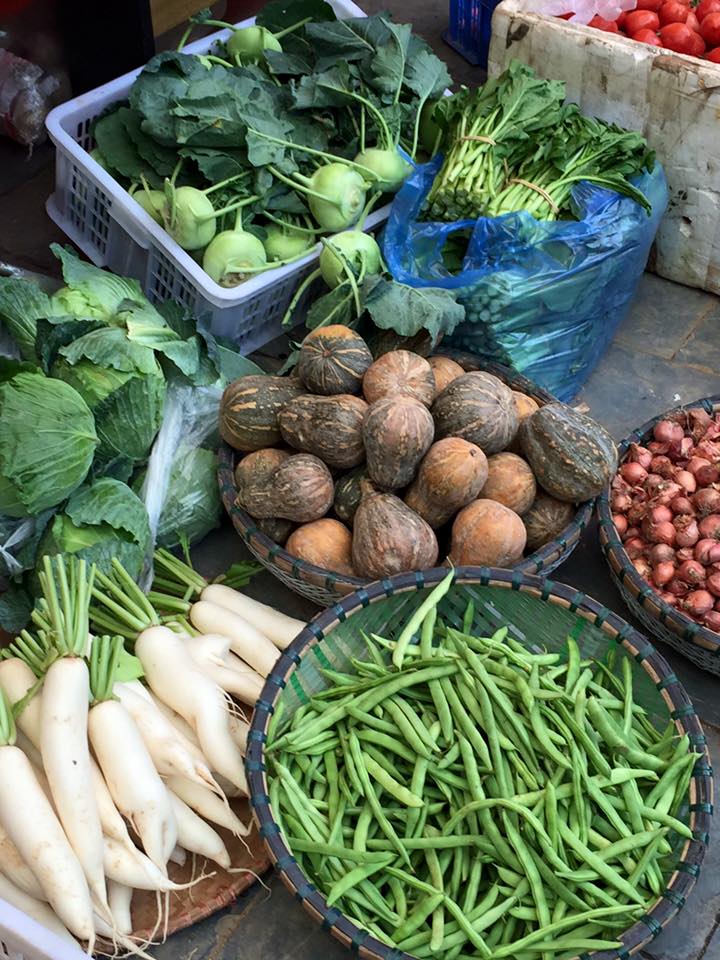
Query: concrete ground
x=666, y=352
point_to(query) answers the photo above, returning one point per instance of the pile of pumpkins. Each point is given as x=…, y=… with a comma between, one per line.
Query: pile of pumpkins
x=370, y=467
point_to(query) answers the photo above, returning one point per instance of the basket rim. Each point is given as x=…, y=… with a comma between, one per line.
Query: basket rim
x=680, y=708
x=667, y=616
x=247, y=526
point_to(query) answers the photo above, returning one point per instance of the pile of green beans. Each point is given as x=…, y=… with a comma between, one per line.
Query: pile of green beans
x=463, y=797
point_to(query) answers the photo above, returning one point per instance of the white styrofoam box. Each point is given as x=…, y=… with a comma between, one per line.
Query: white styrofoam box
x=673, y=99
x=22, y=938
x=103, y=220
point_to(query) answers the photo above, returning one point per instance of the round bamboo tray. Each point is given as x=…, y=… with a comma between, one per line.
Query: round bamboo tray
x=538, y=612
x=325, y=587
x=692, y=640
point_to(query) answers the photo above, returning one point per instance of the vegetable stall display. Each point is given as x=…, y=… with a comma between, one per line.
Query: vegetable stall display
x=289, y=130
x=100, y=371
x=473, y=795
x=116, y=711
x=428, y=462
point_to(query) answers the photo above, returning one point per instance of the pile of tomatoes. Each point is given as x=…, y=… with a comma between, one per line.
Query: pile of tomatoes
x=674, y=24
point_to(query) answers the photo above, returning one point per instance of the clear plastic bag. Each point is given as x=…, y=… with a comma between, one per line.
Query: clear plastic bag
x=179, y=488
x=543, y=297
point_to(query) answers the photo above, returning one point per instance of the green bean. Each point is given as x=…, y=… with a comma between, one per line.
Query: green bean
x=417, y=916
x=680, y=759
x=390, y=784
x=464, y=722
x=415, y=723
x=599, y=866
x=341, y=853
x=530, y=870
x=413, y=624
x=362, y=716
x=354, y=877
x=573, y=665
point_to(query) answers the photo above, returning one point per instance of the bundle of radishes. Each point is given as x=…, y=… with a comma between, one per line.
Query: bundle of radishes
x=665, y=502
x=678, y=25
x=104, y=778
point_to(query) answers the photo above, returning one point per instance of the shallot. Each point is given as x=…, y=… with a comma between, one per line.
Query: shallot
x=707, y=551
x=662, y=466
x=713, y=584
x=686, y=480
x=707, y=474
x=681, y=506
x=691, y=572
x=706, y=501
x=712, y=620
x=642, y=567
x=635, y=548
x=640, y=455
x=633, y=472
x=710, y=526
x=665, y=431
x=696, y=463
x=621, y=523
x=698, y=603
x=661, y=553
x=663, y=573
x=687, y=532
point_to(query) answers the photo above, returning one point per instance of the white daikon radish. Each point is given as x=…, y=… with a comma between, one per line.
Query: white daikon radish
x=31, y=824
x=248, y=643
x=178, y=856
x=277, y=626
x=197, y=836
x=136, y=870
x=37, y=909
x=208, y=805
x=239, y=731
x=113, y=824
x=164, y=743
x=120, y=898
x=174, y=678
x=241, y=681
x=15, y=869
x=16, y=678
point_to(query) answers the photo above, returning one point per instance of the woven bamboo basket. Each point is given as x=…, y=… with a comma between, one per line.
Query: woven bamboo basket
x=538, y=612
x=325, y=587
x=691, y=639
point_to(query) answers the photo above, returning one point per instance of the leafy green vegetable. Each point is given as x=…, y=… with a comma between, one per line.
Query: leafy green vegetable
x=102, y=520
x=89, y=291
x=279, y=14
x=408, y=310
x=22, y=304
x=15, y=608
x=47, y=443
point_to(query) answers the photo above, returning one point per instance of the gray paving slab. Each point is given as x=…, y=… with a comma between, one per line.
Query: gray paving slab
x=629, y=387
x=702, y=347
x=663, y=317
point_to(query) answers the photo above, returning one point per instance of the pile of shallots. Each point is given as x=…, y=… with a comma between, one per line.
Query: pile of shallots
x=665, y=502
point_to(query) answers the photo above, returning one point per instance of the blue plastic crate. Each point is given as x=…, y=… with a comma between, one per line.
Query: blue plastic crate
x=470, y=29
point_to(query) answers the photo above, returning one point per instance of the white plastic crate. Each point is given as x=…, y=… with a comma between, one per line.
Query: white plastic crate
x=22, y=938
x=102, y=219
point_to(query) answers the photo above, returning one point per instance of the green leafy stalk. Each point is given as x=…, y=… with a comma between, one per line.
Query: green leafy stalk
x=68, y=608
x=7, y=721
x=104, y=659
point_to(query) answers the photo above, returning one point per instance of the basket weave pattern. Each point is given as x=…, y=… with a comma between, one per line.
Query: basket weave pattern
x=691, y=639
x=536, y=610
x=325, y=587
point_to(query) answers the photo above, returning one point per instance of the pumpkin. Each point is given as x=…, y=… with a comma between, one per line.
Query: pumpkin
x=325, y=543
x=329, y=427
x=510, y=481
x=249, y=410
x=445, y=371
x=397, y=433
x=399, y=373
x=385, y=341
x=572, y=456
x=257, y=467
x=275, y=527
x=389, y=537
x=524, y=405
x=348, y=494
x=333, y=360
x=451, y=474
x=300, y=489
x=487, y=534
x=477, y=407
x=545, y=520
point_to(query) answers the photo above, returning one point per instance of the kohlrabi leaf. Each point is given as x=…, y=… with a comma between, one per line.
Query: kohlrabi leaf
x=426, y=75
x=162, y=82
x=388, y=66
x=279, y=14
x=90, y=291
x=15, y=608
x=337, y=306
x=47, y=443
x=407, y=310
x=216, y=165
x=288, y=64
x=161, y=159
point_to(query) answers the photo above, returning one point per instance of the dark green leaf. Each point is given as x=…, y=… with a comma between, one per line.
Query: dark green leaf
x=337, y=306
x=288, y=64
x=216, y=165
x=388, y=64
x=129, y=418
x=53, y=336
x=119, y=150
x=280, y=14
x=163, y=81
x=426, y=75
x=407, y=310
x=161, y=159
x=15, y=608
x=111, y=347
x=112, y=502
x=22, y=303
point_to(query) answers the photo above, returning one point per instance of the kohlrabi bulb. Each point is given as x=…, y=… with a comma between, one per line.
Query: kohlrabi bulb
x=249, y=43
x=358, y=248
x=341, y=196
x=230, y=256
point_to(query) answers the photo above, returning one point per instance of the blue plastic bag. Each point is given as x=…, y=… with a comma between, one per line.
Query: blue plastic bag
x=543, y=297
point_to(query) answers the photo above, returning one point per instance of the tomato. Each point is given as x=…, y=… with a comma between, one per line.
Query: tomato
x=699, y=45
x=705, y=7
x=653, y=4
x=620, y=21
x=609, y=26
x=641, y=20
x=714, y=55
x=647, y=36
x=566, y=16
x=710, y=29
x=673, y=12
x=693, y=22
x=678, y=37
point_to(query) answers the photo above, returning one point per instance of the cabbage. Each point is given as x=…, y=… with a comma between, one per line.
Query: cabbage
x=90, y=291
x=47, y=440
x=192, y=506
x=102, y=520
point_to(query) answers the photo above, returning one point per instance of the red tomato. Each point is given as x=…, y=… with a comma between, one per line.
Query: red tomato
x=641, y=20
x=673, y=12
x=566, y=16
x=620, y=21
x=714, y=55
x=647, y=36
x=654, y=4
x=693, y=22
x=609, y=26
x=710, y=29
x=678, y=37
x=699, y=45
x=705, y=7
